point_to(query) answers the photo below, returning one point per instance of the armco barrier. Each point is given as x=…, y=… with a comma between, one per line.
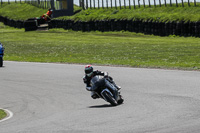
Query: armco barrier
x=147, y=27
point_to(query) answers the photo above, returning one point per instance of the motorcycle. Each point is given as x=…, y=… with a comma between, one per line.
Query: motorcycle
x=1, y=54
x=107, y=93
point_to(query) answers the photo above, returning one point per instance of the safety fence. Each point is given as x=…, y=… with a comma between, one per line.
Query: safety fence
x=40, y=3
x=85, y=4
x=147, y=27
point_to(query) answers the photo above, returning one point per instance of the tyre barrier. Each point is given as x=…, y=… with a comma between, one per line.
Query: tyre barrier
x=30, y=25
x=12, y=23
x=139, y=26
x=147, y=27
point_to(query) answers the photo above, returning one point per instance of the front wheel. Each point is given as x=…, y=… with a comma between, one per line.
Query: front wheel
x=109, y=98
x=1, y=61
x=121, y=100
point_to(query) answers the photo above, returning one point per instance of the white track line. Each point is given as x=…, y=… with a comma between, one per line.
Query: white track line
x=9, y=115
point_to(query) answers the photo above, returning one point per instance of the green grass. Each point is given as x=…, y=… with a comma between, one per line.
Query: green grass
x=161, y=14
x=107, y=48
x=2, y=114
x=24, y=11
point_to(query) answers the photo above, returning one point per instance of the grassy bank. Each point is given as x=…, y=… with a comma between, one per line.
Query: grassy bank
x=2, y=114
x=108, y=48
x=161, y=14
x=24, y=11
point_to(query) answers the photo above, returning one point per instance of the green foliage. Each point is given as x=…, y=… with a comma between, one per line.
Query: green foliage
x=2, y=114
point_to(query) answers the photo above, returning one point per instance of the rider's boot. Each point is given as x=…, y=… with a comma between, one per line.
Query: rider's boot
x=121, y=100
x=94, y=95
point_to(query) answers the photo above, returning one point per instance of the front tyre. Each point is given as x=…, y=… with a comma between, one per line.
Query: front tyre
x=109, y=98
x=121, y=100
x=1, y=61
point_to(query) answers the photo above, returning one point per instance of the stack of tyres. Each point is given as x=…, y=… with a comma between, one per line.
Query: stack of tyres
x=30, y=25
x=1, y=54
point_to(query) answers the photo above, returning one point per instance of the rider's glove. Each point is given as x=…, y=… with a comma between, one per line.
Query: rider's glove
x=88, y=88
x=105, y=75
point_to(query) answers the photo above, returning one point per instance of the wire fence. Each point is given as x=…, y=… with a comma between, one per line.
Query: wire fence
x=85, y=4
x=40, y=3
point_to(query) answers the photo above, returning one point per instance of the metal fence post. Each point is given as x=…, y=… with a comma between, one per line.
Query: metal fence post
x=120, y=4
x=107, y=3
x=124, y=3
x=160, y=3
x=188, y=2
x=139, y=3
x=182, y=4
x=149, y=3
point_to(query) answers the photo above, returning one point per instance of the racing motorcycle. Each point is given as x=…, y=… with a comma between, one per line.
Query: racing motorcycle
x=1, y=54
x=105, y=92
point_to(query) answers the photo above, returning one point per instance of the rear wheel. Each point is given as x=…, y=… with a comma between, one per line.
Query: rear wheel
x=109, y=98
x=1, y=61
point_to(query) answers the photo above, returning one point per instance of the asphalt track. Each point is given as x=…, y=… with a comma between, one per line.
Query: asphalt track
x=51, y=98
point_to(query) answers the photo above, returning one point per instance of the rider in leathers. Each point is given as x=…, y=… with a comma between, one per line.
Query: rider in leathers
x=89, y=73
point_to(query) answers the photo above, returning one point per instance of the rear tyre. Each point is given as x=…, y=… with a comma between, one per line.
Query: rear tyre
x=109, y=98
x=1, y=61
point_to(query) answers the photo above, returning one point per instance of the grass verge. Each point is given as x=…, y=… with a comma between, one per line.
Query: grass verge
x=107, y=48
x=24, y=11
x=160, y=14
x=2, y=114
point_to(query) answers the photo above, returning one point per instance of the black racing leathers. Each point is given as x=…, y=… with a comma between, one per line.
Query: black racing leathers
x=87, y=79
x=106, y=81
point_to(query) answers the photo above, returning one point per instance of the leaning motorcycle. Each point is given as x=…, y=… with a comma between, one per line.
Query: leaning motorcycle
x=1, y=54
x=112, y=96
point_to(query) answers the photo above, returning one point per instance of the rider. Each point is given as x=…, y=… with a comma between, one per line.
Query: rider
x=1, y=48
x=89, y=73
x=47, y=16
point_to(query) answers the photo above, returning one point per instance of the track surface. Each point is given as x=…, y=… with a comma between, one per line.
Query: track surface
x=51, y=98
